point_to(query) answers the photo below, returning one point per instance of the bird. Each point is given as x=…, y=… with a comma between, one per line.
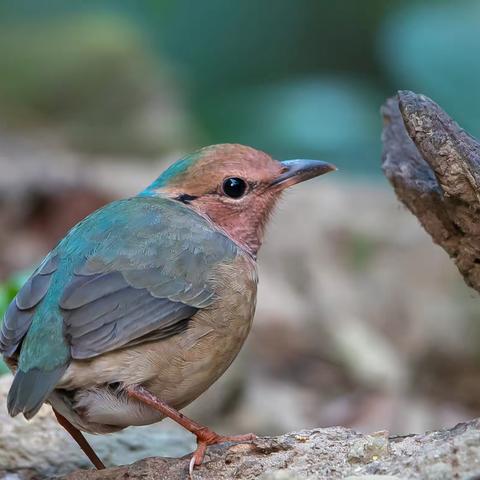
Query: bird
x=146, y=302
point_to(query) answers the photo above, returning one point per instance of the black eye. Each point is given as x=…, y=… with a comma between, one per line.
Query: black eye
x=234, y=187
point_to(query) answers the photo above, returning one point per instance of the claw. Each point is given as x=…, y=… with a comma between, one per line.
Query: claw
x=206, y=437
x=191, y=466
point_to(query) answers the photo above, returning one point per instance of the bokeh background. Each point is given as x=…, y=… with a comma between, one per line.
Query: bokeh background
x=361, y=320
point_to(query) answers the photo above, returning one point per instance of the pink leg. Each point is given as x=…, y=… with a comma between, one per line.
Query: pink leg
x=204, y=435
x=80, y=439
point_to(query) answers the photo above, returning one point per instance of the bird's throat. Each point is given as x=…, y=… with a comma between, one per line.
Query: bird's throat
x=245, y=226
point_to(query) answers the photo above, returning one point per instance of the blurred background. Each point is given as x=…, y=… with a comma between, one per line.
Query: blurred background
x=361, y=320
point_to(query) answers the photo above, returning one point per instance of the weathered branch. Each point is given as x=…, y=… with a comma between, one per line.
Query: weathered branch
x=434, y=167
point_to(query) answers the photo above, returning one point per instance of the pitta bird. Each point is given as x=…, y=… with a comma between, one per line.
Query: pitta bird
x=148, y=300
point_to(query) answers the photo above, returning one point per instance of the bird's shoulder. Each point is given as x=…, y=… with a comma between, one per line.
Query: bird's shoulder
x=142, y=232
x=142, y=219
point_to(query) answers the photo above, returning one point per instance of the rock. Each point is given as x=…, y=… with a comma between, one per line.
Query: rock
x=372, y=477
x=41, y=450
x=369, y=448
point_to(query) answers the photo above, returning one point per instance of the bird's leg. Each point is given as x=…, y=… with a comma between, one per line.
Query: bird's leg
x=80, y=439
x=204, y=435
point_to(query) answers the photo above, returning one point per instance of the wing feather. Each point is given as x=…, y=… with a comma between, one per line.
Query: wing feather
x=19, y=315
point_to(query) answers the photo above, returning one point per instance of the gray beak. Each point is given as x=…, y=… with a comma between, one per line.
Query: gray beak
x=296, y=171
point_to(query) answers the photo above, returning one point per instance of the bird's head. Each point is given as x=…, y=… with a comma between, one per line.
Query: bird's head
x=235, y=186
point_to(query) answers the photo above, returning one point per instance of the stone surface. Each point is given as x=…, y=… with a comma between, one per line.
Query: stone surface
x=41, y=450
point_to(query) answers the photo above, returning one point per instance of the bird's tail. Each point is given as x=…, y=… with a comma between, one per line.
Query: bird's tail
x=30, y=389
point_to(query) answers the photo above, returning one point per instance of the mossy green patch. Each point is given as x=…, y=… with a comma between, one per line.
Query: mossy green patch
x=361, y=250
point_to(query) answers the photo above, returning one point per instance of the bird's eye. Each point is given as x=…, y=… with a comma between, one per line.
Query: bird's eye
x=234, y=187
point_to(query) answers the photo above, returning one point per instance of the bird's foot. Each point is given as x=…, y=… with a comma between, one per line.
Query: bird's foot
x=206, y=437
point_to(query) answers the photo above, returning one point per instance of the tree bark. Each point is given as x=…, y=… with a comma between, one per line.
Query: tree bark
x=434, y=167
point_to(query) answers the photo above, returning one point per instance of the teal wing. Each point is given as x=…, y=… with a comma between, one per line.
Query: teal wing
x=19, y=315
x=103, y=312
x=133, y=272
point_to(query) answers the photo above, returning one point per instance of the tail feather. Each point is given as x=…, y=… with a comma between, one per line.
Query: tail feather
x=30, y=389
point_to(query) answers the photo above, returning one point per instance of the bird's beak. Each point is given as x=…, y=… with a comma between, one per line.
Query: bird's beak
x=296, y=171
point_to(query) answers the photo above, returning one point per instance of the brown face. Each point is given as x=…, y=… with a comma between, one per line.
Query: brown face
x=236, y=187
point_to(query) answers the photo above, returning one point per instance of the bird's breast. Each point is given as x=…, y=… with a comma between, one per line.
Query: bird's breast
x=214, y=337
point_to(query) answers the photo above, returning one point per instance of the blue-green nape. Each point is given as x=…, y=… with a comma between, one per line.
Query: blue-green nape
x=180, y=167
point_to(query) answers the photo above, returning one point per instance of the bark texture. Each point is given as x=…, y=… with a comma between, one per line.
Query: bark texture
x=434, y=167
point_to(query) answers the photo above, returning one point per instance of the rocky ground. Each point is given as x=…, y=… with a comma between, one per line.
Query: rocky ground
x=41, y=450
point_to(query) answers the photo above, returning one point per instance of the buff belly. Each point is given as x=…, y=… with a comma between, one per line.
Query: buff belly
x=177, y=370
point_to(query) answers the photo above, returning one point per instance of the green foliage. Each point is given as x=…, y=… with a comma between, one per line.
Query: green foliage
x=91, y=76
x=433, y=48
x=294, y=81
x=225, y=45
x=129, y=77
x=332, y=118
x=10, y=288
x=88, y=66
